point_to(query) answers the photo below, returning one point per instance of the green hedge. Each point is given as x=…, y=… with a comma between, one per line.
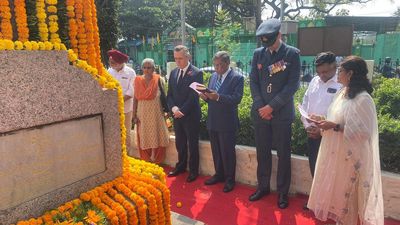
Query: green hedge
x=387, y=99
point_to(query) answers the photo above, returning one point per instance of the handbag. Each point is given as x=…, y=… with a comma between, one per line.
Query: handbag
x=163, y=98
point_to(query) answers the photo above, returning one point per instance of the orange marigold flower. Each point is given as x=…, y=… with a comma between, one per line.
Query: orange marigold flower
x=85, y=197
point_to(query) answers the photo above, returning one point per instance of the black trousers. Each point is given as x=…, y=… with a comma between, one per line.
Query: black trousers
x=313, y=148
x=224, y=154
x=281, y=134
x=187, y=135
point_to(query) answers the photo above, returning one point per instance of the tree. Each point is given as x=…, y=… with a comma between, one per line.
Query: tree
x=397, y=13
x=108, y=25
x=225, y=30
x=318, y=8
x=138, y=18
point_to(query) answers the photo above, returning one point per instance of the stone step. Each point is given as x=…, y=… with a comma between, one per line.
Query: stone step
x=178, y=219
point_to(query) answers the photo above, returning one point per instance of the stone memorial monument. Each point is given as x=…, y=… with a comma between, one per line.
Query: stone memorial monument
x=59, y=133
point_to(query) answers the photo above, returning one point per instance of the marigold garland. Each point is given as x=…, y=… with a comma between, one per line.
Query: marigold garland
x=53, y=21
x=41, y=16
x=21, y=20
x=140, y=195
x=6, y=31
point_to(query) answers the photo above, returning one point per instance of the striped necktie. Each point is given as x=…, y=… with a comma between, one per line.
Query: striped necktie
x=219, y=83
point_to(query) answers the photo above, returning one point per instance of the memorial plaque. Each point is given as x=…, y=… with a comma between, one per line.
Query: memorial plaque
x=39, y=160
x=59, y=133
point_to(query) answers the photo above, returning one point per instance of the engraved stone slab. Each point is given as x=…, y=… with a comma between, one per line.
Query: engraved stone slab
x=57, y=123
x=36, y=161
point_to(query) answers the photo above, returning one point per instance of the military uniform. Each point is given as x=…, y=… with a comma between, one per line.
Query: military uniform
x=274, y=79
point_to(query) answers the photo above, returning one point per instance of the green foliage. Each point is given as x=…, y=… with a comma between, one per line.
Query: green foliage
x=299, y=136
x=387, y=97
x=107, y=20
x=389, y=143
x=32, y=20
x=80, y=214
x=225, y=30
x=63, y=25
x=138, y=18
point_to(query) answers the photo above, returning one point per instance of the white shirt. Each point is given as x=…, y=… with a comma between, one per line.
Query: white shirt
x=184, y=72
x=176, y=108
x=224, y=75
x=126, y=77
x=319, y=96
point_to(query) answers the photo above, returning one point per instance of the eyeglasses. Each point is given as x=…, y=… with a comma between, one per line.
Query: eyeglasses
x=147, y=68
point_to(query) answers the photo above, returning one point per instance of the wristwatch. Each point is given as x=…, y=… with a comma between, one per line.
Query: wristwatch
x=337, y=127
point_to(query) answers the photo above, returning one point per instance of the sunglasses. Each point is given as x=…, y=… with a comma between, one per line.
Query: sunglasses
x=147, y=68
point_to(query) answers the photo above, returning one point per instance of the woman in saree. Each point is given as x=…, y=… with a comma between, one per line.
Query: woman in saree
x=151, y=129
x=347, y=185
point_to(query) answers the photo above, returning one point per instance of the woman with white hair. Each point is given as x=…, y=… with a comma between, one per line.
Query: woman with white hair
x=148, y=114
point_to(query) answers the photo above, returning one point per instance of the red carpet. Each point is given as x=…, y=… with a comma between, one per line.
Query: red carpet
x=214, y=207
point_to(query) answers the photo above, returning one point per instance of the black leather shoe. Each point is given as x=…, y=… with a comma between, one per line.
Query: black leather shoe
x=283, y=201
x=175, y=172
x=213, y=180
x=258, y=195
x=229, y=185
x=192, y=177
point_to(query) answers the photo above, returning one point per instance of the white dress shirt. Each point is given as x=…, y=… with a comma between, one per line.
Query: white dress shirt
x=223, y=77
x=126, y=77
x=319, y=96
x=176, y=108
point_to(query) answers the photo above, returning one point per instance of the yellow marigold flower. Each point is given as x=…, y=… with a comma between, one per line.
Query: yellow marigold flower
x=57, y=46
x=18, y=45
x=53, y=17
x=51, y=2
x=48, y=45
x=41, y=15
x=2, y=45
x=52, y=9
x=43, y=29
x=28, y=45
x=70, y=8
x=8, y=45
x=35, y=45
x=63, y=47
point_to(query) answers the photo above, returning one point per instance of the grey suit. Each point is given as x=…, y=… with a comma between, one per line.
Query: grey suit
x=274, y=87
x=223, y=122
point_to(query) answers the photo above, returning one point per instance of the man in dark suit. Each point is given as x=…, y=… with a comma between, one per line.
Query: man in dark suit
x=222, y=122
x=274, y=78
x=184, y=104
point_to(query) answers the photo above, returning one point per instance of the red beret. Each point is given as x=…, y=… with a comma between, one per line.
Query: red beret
x=117, y=56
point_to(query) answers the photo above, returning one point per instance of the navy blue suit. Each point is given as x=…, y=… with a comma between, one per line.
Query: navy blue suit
x=275, y=89
x=223, y=122
x=187, y=127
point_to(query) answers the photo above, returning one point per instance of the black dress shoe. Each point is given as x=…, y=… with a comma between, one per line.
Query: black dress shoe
x=229, y=185
x=213, y=180
x=283, y=201
x=192, y=177
x=175, y=172
x=258, y=195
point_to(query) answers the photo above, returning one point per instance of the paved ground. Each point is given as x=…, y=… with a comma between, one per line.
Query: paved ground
x=178, y=219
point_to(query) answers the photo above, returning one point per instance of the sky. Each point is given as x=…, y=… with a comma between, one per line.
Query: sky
x=372, y=8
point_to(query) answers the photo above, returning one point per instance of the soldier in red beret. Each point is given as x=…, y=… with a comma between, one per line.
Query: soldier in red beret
x=126, y=76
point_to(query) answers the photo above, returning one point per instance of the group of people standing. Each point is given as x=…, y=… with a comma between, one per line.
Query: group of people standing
x=143, y=105
x=341, y=125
